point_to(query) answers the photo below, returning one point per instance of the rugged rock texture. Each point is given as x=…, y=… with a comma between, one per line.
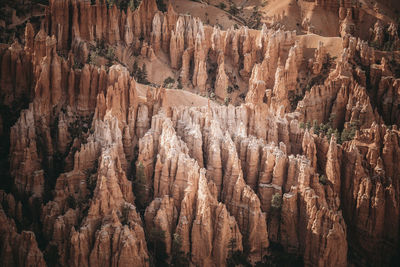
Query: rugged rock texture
x=180, y=186
x=276, y=175
x=372, y=193
x=102, y=170
x=18, y=249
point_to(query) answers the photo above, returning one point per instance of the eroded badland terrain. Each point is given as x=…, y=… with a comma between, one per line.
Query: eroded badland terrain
x=209, y=133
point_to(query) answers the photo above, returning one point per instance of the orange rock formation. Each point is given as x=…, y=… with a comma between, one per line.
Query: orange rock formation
x=96, y=163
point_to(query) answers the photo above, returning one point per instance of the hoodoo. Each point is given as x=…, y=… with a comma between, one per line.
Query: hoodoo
x=185, y=133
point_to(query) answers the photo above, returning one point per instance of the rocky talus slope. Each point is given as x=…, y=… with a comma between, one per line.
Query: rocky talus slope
x=101, y=170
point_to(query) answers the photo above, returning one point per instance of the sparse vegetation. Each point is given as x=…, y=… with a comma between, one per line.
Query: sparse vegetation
x=322, y=179
x=110, y=53
x=133, y=4
x=349, y=132
x=222, y=5
x=140, y=186
x=328, y=63
x=125, y=4
x=161, y=5
x=326, y=129
x=276, y=201
x=79, y=128
x=140, y=74
x=92, y=58
x=77, y=64
x=254, y=22
x=236, y=257
x=227, y=100
x=294, y=99
x=178, y=257
x=180, y=86
x=125, y=213
x=264, y=3
x=156, y=246
x=53, y=149
x=101, y=49
x=233, y=10
x=389, y=43
x=308, y=125
x=168, y=82
x=110, y=3
x=91, y=181
x=143, y=77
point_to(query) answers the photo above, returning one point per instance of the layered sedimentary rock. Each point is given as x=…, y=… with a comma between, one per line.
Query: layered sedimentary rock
x=18, y=249
x=278, y=174
x=180, y=187
x=217, y=180
x=221, y=80
x=90, y=22
x=346, y=91
x=372, y=193
x=183, y=38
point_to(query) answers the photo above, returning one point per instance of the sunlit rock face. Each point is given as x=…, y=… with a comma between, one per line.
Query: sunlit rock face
x=276, y=145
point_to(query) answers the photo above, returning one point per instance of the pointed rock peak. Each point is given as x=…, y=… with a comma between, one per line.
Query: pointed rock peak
x=170, y=8
x=148, y=5
x=16, y=46
x=29, y=36
x=41, y=36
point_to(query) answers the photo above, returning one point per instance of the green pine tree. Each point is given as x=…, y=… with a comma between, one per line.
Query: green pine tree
x=135, y=69
x=276, y=201
x=178, y=257
x=157, y=249
x=144, y=74
x=140, y=186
